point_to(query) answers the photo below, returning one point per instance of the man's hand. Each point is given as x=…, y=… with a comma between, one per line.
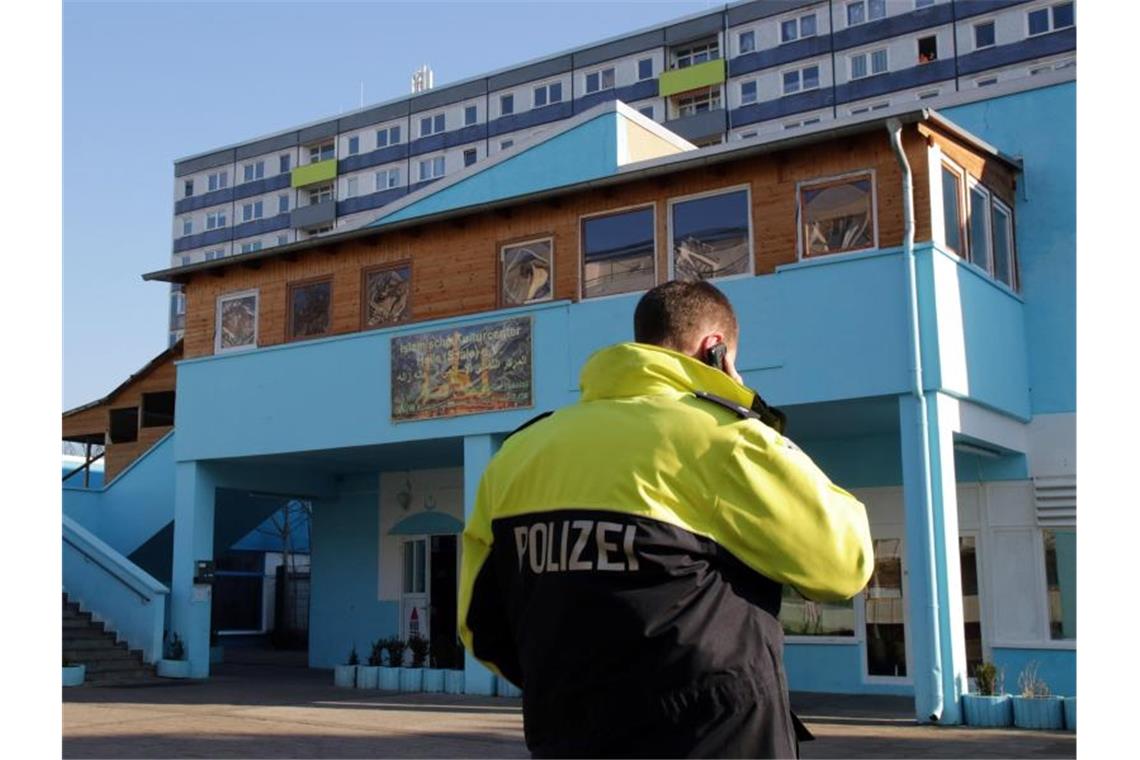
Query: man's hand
x=730, y=367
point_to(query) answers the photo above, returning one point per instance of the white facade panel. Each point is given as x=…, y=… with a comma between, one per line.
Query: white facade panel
x=766, y=32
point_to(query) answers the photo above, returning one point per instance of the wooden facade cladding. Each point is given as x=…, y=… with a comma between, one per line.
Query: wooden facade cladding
x=455, y=262
x=94, y=420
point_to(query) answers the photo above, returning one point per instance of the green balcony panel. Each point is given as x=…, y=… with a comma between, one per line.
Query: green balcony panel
x=692, y=77
x=322, y=171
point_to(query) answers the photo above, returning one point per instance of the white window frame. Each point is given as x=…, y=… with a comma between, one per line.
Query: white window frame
x=799, y=72
x=504, y=99
x=516, y=244
x=256, y=323
x=711, y=93
x=972, y=185
x=866, y=13
x=974, y=38
x=861, y=619
x=582, y=251
x=220, y=219
x=252, y=211
x=651, y=69
x=325, y=188
x=835, y=178
x=1049, y=17
x=747, y=188
x=470, y=109
x=354, y=145
x=740, y=41
x=963, y=207
x=317, y=149
x=218, y=181
x=388, y=130
x=692, y=50
x=431, y=119
x=1015, y=279
x=187, y=226
x=652, y=111
x=546, y=90
x=869, y=55
x=187, y=188
x=755, y=95
x=254, y=169
x=283, y=199
x=251, y=247
x=601, y=74
x=391, y=178
x=351, y=187
x=284, y=163
x=432, y=163
x=799, y=22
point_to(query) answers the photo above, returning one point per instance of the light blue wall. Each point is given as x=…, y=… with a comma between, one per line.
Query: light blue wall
x=834, y=668
x=345, y=609
x=138, y=503
x=75, y=482
x=1057, y=667
x=1040, y=127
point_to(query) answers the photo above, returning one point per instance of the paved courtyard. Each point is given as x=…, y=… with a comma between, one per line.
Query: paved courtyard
x=268, y=711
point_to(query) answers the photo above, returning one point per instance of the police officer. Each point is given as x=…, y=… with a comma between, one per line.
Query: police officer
x=625, y=558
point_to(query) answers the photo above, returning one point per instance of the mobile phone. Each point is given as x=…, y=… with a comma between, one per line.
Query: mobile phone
x=714, y=357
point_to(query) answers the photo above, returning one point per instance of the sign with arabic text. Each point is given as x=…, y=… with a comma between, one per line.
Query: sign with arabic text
x=465, y=369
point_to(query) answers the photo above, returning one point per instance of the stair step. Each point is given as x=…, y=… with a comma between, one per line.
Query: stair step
x=81, y=623
x=98, y=645
x=87, y=633
x=117, y=665
x=139, y=678
x=97, y=655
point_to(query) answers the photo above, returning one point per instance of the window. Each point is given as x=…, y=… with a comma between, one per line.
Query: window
x=388, y=136
x=929, y=94
x=525, y=272
x=979, y=227
x=188, y=188
x=984, y=35
x=319, y=230
x=309, y=308
x=883, y=607
x=218, y=181
x=251, y=211
x=927, y=49
x=645, y=69
x=353, y=145
x=470, y=115
x=618, y=252
x=124, y=425
x=918, y=5
x=1061, y=581
x=322, y=152
x=414, y=566
x=158, y=409
x=799, y=80
x=215, y=220
x=1061, y=17
x=320, y=193
x=747, y=135
x=700, y=102
x=803, y=617
x=387, y=178
x=469, y=156
x=646, y=111
x=600, y=80
x=387, y=295
x=952, y=211
x=698, y=53
x=803, y=123
x=746, y=42
x=186, y=261
x=351, y=187
x=971, y=601
x=506, y=144
x=236, y=322
x=878, y=63
x=865, y=10
x=284, y=163
x=1005, y=267
x=251, y=247
x=797, y=28
x=837, y=216
x=430, y=125
x=547, y=94
x=748, y=92
x=216, y=253
x=282, y=204
x=986, y=82
x=506, y=105
x=187, y=225
x=282, y=239
x=430, y=168
x=711, y=236
x=253, y=171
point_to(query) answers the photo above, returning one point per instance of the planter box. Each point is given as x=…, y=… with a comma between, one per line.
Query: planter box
x=988, y=711
x=344, y=676
x=505, y=688
x=389, y=679
x=1071, y=713
x=73, y=675
x=454, y=681
x=367, y=676
x=217, y=653
x=173, y=668
x=1046, y=713
x=433, y=680
x=411, y=679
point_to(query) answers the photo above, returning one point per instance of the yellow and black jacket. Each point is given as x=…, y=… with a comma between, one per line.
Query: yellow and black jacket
x=625, y=559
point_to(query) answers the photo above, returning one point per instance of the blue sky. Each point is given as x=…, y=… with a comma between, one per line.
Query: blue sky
x=147, y=83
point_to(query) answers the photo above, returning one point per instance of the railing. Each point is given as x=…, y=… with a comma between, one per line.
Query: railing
x=85, y=468
x=114, y=590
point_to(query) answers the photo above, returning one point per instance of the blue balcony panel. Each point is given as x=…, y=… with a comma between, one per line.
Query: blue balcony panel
x=531, y=118
x=370, y=201
x=205, y=200
x=314, y=215
x=1025, y=50
x=893, y=26
x=384, y=155
x=778, y=56
x=627, y=94
x=781, y=107
x=203, y=239
x=428, y=144
x=915, y=76
x=259, y=186
x=465, y=135
x=968, y=8
x=261, y=226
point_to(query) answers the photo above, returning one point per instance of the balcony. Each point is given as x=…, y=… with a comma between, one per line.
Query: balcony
x=699, y=125
x=322, y=171
x=315, y=215
x=692, y=77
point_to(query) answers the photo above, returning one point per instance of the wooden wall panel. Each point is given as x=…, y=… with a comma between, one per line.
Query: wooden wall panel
x=455, y=262
x=992, y=173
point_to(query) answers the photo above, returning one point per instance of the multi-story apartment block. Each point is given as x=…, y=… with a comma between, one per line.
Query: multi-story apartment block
x=754, y=68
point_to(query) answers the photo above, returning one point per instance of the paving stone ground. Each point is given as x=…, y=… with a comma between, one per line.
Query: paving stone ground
x=267, y=711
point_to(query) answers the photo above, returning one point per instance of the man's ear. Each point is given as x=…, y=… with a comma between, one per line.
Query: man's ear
x=708, y=341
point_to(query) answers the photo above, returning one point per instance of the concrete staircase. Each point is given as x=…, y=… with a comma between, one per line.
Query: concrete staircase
x=109, y=662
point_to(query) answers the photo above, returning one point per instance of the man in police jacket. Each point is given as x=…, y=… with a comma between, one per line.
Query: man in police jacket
x=624, y=561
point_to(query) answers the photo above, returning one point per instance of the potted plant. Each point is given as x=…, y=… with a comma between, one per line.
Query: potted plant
x=345, y=675
x=175, y=664
x=1035, y=707
x=412, y=679
x=990, y=706
x=435, y=675
x=393, y=647
x=73, y=673
x=368, y=676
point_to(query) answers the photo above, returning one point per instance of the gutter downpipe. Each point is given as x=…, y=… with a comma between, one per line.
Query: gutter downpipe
x=894, y=128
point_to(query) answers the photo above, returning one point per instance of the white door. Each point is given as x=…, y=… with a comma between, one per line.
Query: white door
x=415, y=598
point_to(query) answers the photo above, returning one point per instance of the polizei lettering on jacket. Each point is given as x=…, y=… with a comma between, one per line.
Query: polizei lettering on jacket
x=561, y=546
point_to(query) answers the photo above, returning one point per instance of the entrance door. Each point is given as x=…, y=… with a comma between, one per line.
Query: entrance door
x=445, y=650
x=885, y=613
x=414, y=596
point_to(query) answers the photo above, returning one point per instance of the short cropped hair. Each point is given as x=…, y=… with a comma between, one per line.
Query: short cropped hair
x=674, y=313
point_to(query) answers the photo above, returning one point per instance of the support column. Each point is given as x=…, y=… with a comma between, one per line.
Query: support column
x=194, y=494
x=935, y=620
x=477, y=453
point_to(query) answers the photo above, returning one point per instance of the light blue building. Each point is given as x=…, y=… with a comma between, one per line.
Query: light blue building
x=940, y=395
